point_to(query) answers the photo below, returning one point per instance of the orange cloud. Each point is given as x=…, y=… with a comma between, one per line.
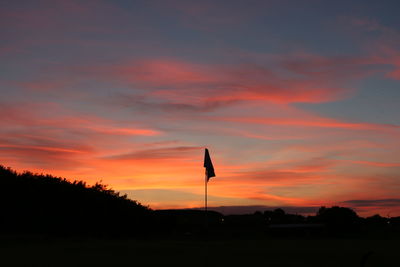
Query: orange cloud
x=123, y=131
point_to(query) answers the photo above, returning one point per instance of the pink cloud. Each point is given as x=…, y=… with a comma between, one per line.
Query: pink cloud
x=44, y=135
x=169, y=80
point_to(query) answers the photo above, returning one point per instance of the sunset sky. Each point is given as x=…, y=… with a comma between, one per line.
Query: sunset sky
x=297, y=101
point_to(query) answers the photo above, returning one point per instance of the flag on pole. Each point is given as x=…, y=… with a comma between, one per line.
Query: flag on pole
x=208, y=165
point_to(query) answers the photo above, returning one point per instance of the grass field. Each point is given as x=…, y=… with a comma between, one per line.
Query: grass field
x=191, y=252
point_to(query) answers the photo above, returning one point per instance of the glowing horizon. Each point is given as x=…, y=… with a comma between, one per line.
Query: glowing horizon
x=297, y=104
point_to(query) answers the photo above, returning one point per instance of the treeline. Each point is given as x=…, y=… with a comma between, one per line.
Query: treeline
x=328, y=221
x=37, y=203
x=43, y=204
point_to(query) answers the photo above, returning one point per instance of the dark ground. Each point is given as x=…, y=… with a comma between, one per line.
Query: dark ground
x=189, y=251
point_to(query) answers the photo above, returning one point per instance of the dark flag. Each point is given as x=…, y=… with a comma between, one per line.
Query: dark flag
x=208, y=165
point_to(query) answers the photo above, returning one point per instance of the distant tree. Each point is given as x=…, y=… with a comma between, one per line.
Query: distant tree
x=279, y=212
x=338, y=218
x=337, y=214
x=276, y=216
x=321, y=211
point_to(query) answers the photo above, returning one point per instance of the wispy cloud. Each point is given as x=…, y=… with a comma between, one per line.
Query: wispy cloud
x=313, y=121
x=390, y=202
x=169, y=79
x=169, y=153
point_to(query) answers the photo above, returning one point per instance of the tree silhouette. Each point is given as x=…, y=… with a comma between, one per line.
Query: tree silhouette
x=38, y=203
x=339, y=219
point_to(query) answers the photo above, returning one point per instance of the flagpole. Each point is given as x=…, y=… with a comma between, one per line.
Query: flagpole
x=205, y=220
x=205, y=202
x=208, y=174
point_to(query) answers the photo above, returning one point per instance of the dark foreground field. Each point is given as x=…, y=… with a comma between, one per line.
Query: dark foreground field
x=191, y=252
